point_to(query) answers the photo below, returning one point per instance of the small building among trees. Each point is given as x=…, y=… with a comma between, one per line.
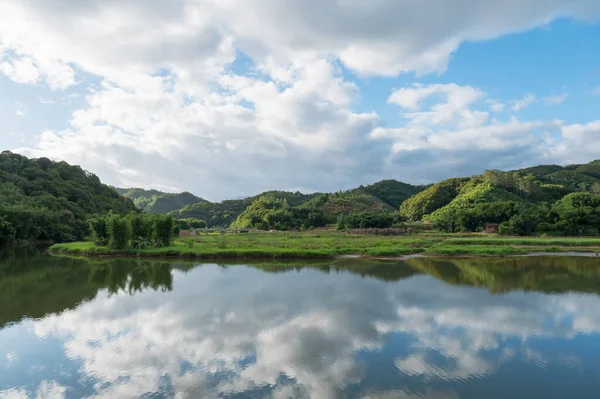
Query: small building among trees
x=491, y=228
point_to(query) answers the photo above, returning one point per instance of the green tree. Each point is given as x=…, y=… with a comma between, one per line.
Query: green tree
x=99, y=229
x=118, y=232
x=164, y=229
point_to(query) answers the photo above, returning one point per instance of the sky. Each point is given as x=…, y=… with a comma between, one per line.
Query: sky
x=226, y=98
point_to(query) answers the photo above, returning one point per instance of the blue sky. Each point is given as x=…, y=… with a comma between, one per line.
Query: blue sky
x=225, y=99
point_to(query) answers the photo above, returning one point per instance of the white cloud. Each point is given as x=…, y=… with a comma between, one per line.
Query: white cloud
x=454, y=120
x=496, y=105
x=523, y=103
x=168, y=109
x=23, y=69
x=21, y=109
x=555, y=100
x=46, y=390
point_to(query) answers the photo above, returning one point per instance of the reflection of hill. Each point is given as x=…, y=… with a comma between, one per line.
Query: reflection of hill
x=545, y=274
x=381, y=270
x=34, y=285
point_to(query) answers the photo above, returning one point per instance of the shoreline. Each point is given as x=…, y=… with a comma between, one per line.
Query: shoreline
x=279, y=257
x=331, y=246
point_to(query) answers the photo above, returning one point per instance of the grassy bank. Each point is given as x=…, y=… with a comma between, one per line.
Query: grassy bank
x=276, y=245
x=474, y=250
x=528, y=241
x=328, y=245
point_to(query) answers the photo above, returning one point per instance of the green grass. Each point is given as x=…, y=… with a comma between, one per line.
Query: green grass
x=320, y=245
x=330, y=244
x=535, y=241
x=393, y=252
x=445, y=249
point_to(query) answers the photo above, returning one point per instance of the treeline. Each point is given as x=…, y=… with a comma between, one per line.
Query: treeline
x=384, y=196
x=153, y=201
x=136, y=230
x=367, y=220
x=575, y=214
x=45, y=200
x=270, y=212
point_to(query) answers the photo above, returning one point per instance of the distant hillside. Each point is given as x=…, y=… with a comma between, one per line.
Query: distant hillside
x=153, y=201
x=224, y=213
x=537, y=194
x=547, y=199
x=384, y=196
x=45, y=200
x=393, y=192
x=574, y=177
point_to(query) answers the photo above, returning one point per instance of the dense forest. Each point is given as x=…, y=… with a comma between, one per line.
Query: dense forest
x=153, y=201
x=45, y=200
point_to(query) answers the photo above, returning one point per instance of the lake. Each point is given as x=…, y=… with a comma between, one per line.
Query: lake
x=524, y=327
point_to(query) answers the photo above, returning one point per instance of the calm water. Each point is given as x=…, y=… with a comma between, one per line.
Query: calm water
x=526, y=328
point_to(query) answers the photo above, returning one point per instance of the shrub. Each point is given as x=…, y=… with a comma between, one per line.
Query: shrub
x=118, y=232
x=163, y=229
x=99, y=229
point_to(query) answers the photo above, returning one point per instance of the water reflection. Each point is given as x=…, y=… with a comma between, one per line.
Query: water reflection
x=424, y=328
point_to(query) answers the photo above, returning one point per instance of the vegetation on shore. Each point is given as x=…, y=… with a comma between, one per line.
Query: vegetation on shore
x=264, y=245
x=551, y=200
x=331, y=244
x=45, y=200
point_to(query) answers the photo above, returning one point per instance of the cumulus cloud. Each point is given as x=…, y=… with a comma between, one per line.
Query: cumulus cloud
x=167, y=105
x=446, y=125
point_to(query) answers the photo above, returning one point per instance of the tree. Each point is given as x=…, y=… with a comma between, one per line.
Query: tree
x=99, y=229
x=7, y=231
x=141, y=227
x=118, y=232
x=163, y=229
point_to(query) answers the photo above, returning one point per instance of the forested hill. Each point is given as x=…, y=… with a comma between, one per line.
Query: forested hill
x=41, y=199
x=153, y=201
x=384, y=196
x=546, y=199
x=45, y=200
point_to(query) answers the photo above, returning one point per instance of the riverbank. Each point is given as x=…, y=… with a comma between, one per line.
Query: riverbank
x=332, y=245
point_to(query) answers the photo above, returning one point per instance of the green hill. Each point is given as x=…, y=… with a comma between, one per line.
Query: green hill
x=346, y=202
x=45, y=200
x=431, y=199
x=574, y=177
x=153, y=201
x=384, y=196
x=393, y=192
x=222, y=214
x=545, y=199
x=524, y=201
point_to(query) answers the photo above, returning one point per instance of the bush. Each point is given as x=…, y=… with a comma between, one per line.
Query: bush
x=366, y=220
x=164, y=226
x=98, y=227
x=118, y=232
x=141, y=226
